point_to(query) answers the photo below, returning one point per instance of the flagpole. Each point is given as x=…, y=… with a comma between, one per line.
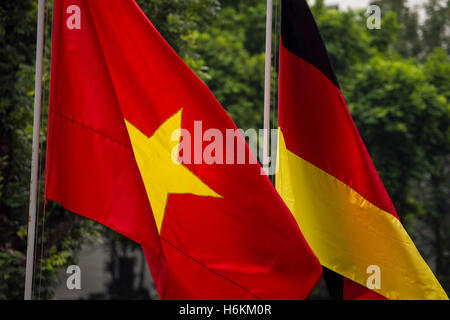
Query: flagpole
x=35, y=152
x=267, y=80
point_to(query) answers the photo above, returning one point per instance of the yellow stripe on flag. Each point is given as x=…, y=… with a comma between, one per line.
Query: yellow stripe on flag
x=348, y=233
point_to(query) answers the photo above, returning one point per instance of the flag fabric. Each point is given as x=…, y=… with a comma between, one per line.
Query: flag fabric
x=327, y=178
x=121, y=102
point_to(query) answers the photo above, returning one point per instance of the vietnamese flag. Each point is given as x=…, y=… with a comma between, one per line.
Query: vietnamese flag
x=328, y=180
x=121, y=100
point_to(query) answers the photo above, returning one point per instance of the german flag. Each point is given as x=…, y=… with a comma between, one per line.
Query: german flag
x=328, y=181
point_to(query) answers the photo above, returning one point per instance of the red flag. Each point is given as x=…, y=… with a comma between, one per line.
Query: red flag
x=119, y=97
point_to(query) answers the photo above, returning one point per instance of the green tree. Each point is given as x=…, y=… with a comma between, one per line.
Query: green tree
x=409, y=42
x=397, y=111
x=434, y=190
x=229, y=57
x=175, y=19
x=436, y=27
x=17, y=22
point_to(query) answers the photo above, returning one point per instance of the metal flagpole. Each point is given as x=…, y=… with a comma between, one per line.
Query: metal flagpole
x=35, y=152
x=267, y=80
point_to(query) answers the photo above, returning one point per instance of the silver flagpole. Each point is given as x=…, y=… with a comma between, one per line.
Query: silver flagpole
x=35, y=152
x=267, y=80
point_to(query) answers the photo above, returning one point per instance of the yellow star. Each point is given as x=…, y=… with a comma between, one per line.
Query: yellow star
x=161, y=172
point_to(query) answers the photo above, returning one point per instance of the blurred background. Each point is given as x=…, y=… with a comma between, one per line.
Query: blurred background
x=396, y=81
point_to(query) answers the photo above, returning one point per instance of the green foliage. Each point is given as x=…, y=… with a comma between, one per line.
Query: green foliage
x=437, y=25
x=437, y=70
x=176, y=18
x=409, y=42
x=384, y=38
x=12, y=264
x=400, y=116
x=417, y=39
x=232, y=72
x=16, y=33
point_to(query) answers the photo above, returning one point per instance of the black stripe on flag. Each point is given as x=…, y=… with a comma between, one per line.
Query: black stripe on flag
x=301, y=36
